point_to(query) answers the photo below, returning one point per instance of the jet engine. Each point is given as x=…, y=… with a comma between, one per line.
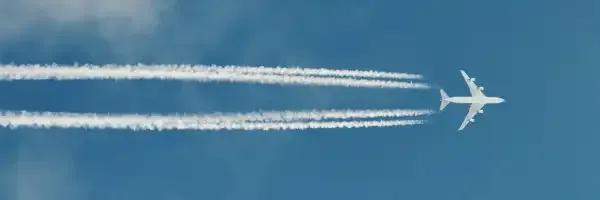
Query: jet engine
x=472, y=79
x=480, y=88
x=480, y=111
x=472, y=120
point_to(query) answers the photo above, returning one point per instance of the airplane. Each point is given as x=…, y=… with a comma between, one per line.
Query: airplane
x=477, y=100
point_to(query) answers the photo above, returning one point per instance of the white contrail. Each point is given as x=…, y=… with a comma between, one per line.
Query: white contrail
x=305, y=71
x=312, y=125
x=58, y=72
x=272, y=116
x=250, y=70
x=265, y=116
x=154, y=122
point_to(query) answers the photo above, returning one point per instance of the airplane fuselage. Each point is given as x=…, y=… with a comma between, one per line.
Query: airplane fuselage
x=479, y=100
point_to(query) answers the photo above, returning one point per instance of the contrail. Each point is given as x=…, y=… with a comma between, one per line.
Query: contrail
x=154, y=122
x=249, y=70
x=164, y=72
x=272, y=116
x=304, y=71
x=266, y=116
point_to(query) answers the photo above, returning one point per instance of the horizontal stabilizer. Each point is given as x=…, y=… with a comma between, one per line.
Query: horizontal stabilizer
x=444, y=100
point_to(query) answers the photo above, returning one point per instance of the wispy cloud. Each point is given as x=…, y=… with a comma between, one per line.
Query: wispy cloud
x=45, y=171
x=135, y=15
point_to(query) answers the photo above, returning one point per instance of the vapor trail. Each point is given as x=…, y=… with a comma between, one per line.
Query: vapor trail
x=249, y=69
x=271, y=116
x=305, y=71
x=266, y=116
x=141, y=122
x=57, y=72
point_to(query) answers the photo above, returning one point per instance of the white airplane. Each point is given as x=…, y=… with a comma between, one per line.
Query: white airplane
x=477, y=100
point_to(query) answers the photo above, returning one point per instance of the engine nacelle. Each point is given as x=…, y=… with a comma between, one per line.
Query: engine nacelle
x=480, y=88
x=472, y=120
x=472, y=79
x=480, y=111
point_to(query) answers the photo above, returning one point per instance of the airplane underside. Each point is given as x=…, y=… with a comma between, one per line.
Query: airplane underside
x=477, y=100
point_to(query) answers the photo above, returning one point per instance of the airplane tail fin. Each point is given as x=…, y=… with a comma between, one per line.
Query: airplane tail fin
x=444, y=100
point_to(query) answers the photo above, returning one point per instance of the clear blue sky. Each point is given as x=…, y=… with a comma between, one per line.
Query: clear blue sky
x=542, y=56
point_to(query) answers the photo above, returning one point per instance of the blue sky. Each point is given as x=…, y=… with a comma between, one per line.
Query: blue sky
x=539, y=55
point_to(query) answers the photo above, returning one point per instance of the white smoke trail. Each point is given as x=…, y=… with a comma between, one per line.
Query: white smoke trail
x=57, y=72
x=313, y=125
x=271, y=116
x=305, y=71
x=149, y=122
x=250, y=70
x=268, y=116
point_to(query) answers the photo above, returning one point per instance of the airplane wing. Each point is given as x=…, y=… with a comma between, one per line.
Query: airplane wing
x=472, y=86
x=472, y=112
